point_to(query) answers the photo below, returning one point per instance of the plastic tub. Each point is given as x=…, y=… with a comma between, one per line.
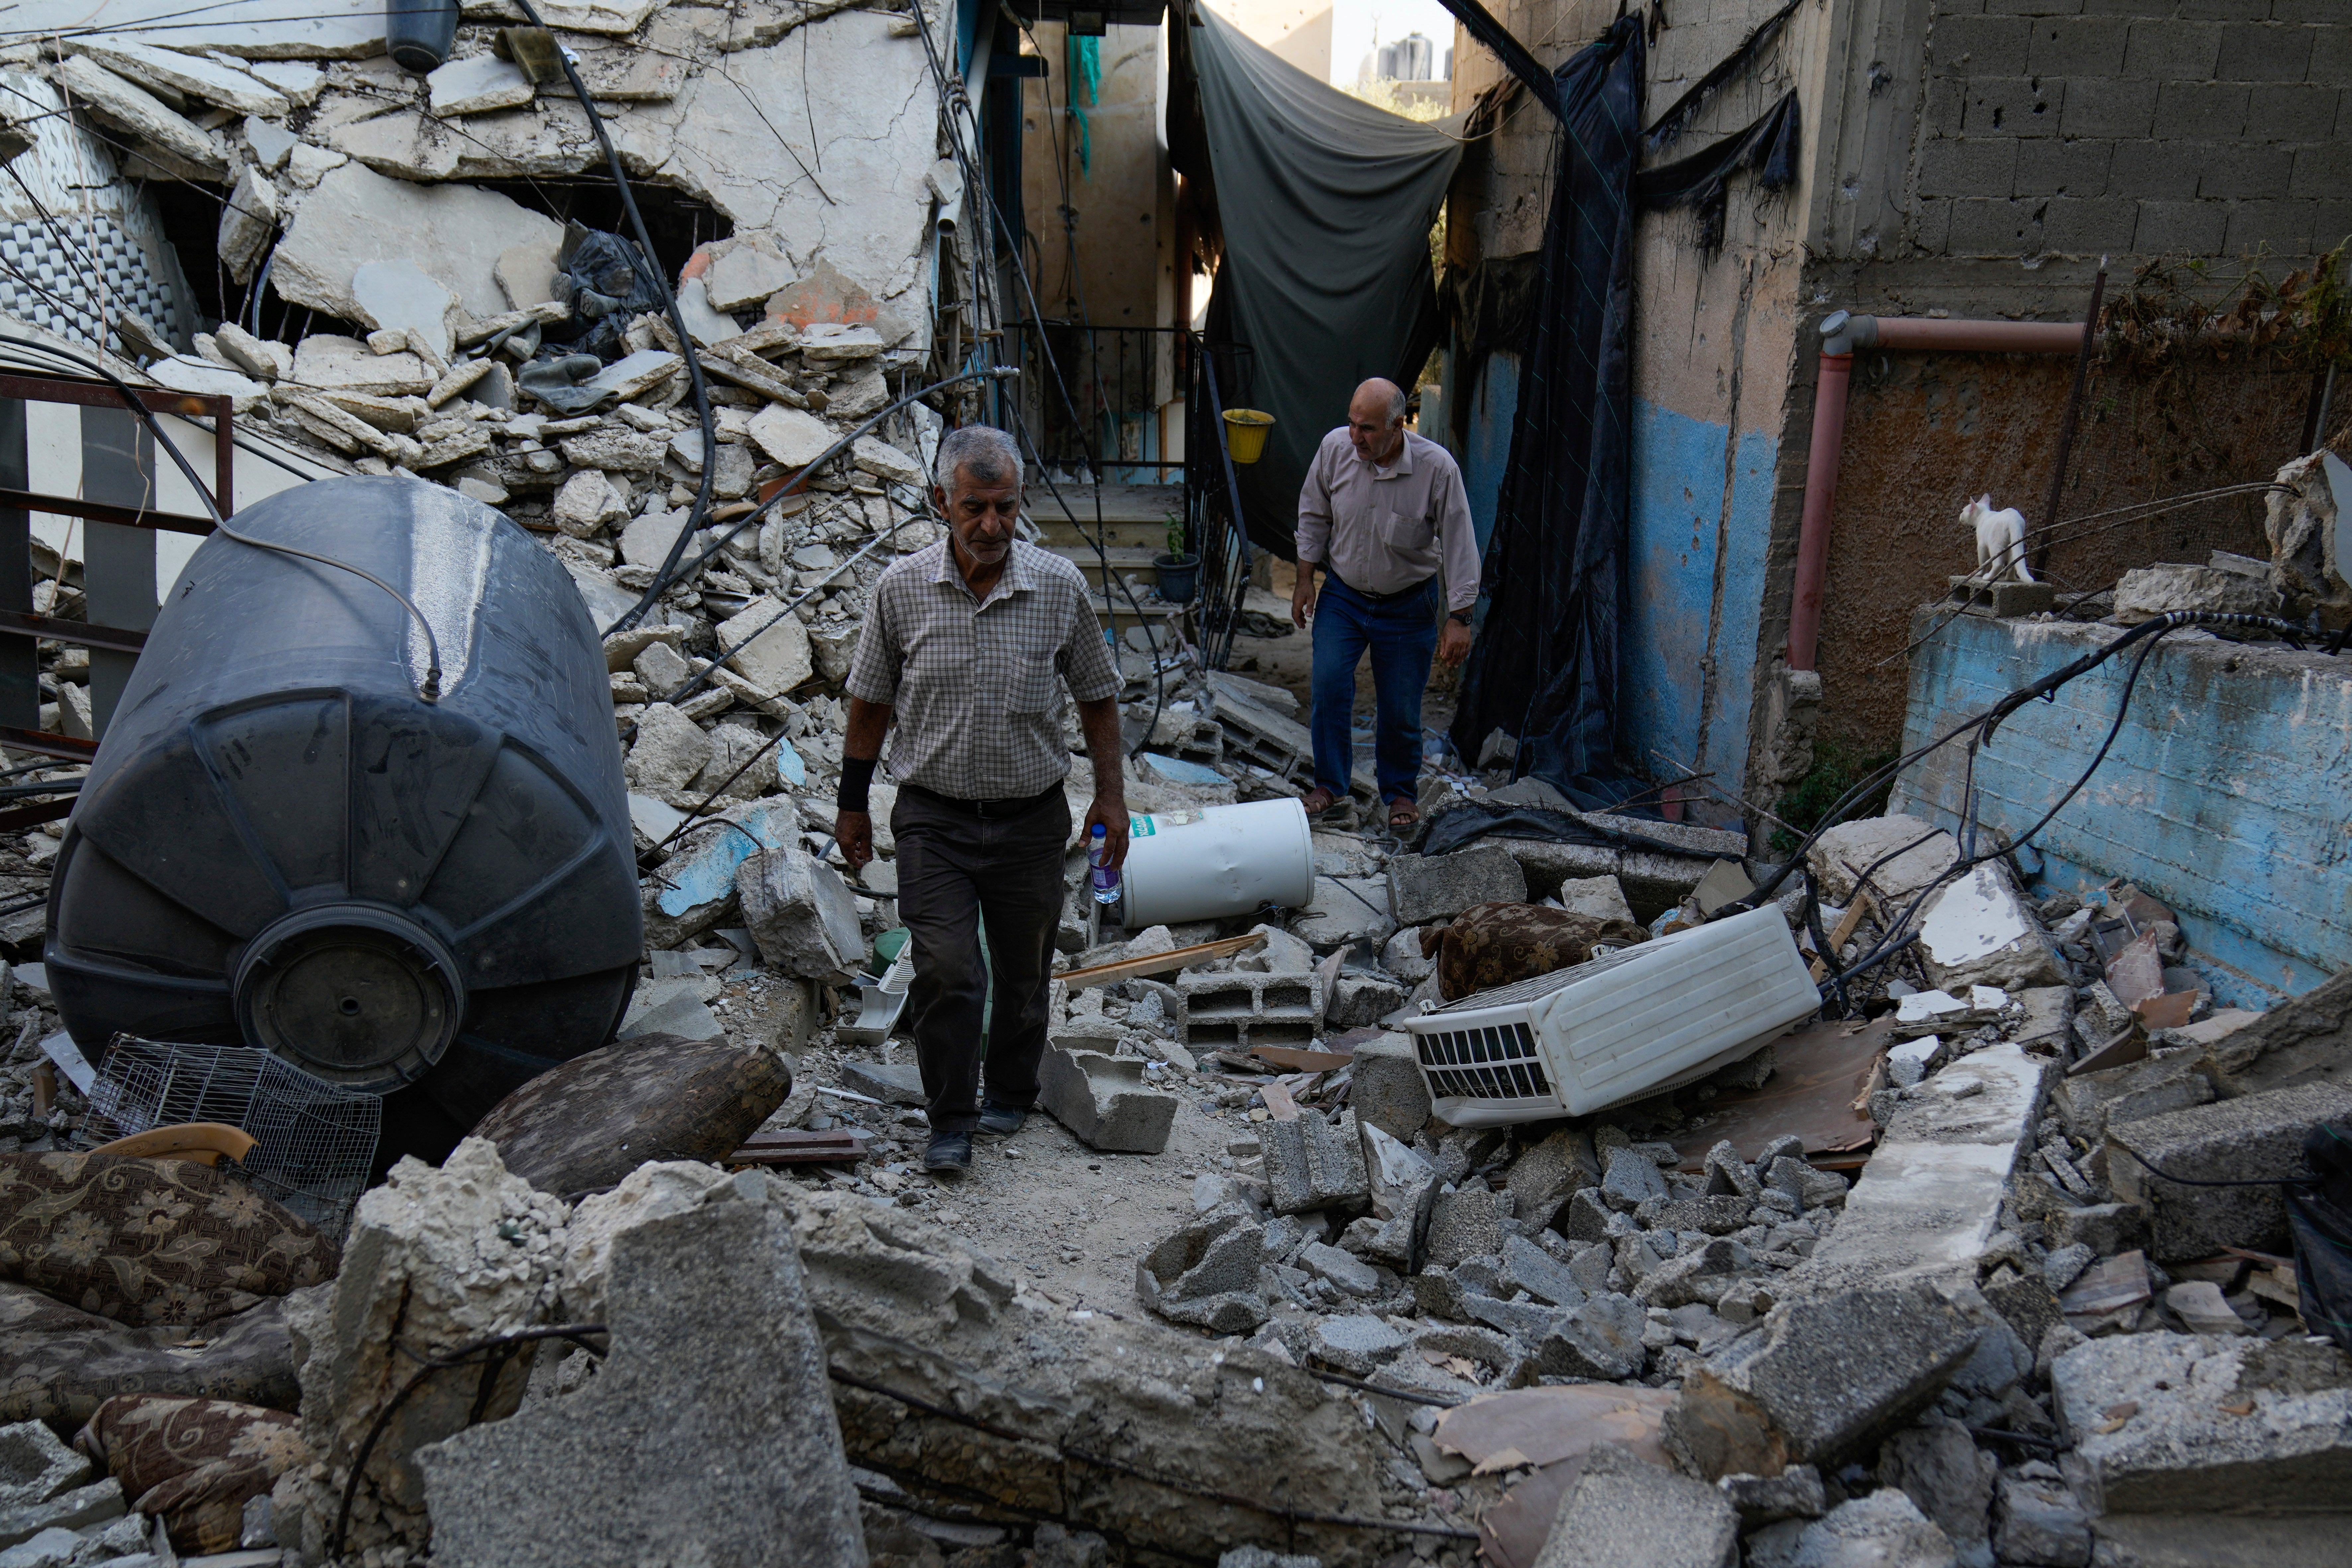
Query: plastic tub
x=1217, y=861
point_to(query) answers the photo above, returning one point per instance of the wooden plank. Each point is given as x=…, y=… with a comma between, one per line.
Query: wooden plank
x=44, y=743
x=1167, y=962
x=1839, y=937
x=790, y=1147
x=1278, y=1103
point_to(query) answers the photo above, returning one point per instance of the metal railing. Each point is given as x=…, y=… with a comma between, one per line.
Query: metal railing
x=1120, y=378
x=1212, y=500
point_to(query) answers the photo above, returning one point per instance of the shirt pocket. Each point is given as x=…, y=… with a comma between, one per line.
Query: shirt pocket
x=1400, y=532
x=1036, y=682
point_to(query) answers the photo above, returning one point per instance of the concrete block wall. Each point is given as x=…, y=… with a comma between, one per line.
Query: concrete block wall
x=2133, y=128
x=2225, y=795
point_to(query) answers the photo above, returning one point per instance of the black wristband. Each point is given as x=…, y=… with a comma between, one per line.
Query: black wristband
x=856, y=777
x=1460, y=618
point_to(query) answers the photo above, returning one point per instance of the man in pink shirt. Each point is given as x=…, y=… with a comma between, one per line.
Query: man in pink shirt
x=1383, y=514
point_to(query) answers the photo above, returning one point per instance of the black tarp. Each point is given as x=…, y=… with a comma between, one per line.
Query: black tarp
x=1545, y=666
x=1323, y=207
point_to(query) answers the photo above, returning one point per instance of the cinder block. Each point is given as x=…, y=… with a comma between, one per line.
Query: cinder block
x=1983, y=228
x=2077, y=46
x=2285, y=228
x=2245, y=173
x=2322, y=173
x=2079, y=226
x=2170, y=50
x=2294, y=112
x=2012, y=106
x=1313, y=1164
x=2321, y=11
x=1387, y=1088
x=2109, y=105
x=2035, y=8
x=1931, y=226
x=2155, y=171
x=2246, y=1139
x=2061, y=166
x=2331, y=45
x=2333, y=224
x=1240, y=1009
x=2203, y=111
x=1979, y=46
x=1104, y=1100
x=1968, y=166
x=2265, y=51
x=2225, y=10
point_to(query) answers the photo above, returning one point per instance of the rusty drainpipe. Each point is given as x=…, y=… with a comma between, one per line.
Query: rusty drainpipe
x=1841, y=333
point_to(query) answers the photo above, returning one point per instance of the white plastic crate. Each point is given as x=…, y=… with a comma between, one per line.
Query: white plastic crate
x=1640, y=1021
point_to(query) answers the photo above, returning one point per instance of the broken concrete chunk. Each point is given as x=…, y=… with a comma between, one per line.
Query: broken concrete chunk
x=1206, y=1275
x=1844, y=853
x=1631, y=1180
x=1797, y=1393
x=711, y=1326
x=1885, y=1528
x=1345, y=1272
x=1464, y=1224
x=435, y=1257
x=744, y=271
x=144, y=117
x=2159, y=1417
x=1388, y=1090
x=801, y=914
x=1600, y=1338
x=771, y=647
x=1423, y=888
x=790, y=437
x=1543, y=1179
x=1312, y=1165
x=399, y=296
x=477, y=86
x=1104, y=1100
x=669, y=750
x=248, y=222
x=2145, y=592
x=328, y=364
x=1629, y=1512
x=2247, y=1139
x=193, y=76
x=34, y=1467
x=886, y=462
x=69, y=1511
x=455, y=232
x=1795, y=1493
x=1600, y=897
x=2040, y=1519
x=1978, y=930
x=1948, y=1479
x=2308, y=1038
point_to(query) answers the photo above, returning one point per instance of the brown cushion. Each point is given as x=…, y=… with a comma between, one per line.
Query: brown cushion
x=150, y=1241
x=193, y=1462
x=58, y=1364
x=1495, y=944
x=584, y=1126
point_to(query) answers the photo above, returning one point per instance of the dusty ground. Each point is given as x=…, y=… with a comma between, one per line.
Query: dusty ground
x=1073, y=1219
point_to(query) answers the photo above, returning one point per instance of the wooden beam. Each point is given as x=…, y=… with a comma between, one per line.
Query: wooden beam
x=1152, y=963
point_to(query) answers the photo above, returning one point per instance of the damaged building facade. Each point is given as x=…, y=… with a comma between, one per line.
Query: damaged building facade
x=1539, y=1186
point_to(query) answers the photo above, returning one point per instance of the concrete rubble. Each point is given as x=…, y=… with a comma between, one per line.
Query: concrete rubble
x=1209, y=1306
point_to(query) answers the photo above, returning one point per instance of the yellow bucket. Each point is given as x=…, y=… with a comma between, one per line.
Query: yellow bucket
x=1246, y=431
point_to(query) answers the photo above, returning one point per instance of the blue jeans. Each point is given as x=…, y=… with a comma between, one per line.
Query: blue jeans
x=1403, y=636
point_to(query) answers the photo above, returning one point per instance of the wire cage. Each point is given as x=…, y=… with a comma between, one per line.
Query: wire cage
x=313, y=1141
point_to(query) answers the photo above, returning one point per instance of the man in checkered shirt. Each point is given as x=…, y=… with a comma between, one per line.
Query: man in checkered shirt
x=970, y=644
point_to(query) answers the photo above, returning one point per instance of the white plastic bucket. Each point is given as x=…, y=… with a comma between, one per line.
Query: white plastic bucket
x=1215, y=861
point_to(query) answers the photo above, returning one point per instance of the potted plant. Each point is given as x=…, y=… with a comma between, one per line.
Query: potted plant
x=1178, y=570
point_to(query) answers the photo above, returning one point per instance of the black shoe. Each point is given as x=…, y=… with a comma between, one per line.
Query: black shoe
x=948, y=1151
x=1000, y=1120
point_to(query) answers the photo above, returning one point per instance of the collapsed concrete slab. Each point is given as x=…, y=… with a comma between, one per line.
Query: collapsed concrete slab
x=454, y=233
x=714, y=1407
x=1423, y=888
x=2248, y=1138
x=2240, y=1426
x=1627, y=1513
x=946, y=1375
x=2307, y=1041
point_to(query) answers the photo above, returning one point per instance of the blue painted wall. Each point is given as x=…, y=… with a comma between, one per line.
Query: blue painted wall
x=1695, y=578
x=1697, y=591
x=2228, y=793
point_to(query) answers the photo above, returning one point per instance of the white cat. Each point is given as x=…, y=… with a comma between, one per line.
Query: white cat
x=2000, y=539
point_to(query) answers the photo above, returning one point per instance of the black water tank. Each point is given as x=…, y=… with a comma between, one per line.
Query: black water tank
x=282, y=843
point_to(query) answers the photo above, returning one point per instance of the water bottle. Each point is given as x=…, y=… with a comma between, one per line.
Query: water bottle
x=1103, y=875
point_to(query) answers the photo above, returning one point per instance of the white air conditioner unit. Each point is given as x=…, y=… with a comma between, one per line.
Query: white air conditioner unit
x=1638, y=1022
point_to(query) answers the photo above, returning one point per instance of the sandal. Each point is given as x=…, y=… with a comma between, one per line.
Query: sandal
x=1403, y=813
x=1319, y=800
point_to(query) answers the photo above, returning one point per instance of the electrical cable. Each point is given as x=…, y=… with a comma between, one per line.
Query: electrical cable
x=429, y=688
x=2302, y=1179
x=701, y=508
x=950, y=100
